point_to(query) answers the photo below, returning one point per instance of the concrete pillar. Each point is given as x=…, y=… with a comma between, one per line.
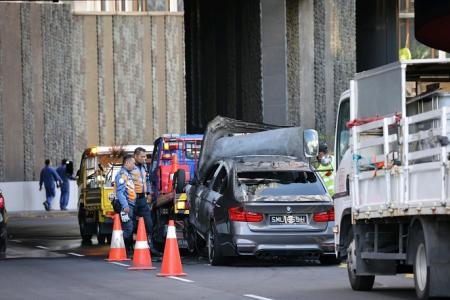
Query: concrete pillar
x=273, y=44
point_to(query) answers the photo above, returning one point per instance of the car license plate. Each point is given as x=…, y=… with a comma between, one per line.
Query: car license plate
x=289, y=220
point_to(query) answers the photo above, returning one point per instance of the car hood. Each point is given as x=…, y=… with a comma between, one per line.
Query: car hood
x=227, y=138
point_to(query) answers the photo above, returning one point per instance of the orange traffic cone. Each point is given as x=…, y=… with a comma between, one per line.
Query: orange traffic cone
x=141, y=258
x=117, y=251
x=171, y=264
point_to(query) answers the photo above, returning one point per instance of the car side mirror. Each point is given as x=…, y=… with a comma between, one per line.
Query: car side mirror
x=310, y=143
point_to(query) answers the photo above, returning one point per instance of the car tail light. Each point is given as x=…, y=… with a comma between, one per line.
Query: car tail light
x=241, y=215
x=324, y=216
x=2, y=201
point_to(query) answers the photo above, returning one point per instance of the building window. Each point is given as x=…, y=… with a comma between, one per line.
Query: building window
x=410, y=48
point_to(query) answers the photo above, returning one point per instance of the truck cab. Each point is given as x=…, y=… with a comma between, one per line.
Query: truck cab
x=173, y=165
x=95, y=178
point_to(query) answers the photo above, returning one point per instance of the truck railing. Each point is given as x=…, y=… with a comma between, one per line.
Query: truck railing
x=382, y=155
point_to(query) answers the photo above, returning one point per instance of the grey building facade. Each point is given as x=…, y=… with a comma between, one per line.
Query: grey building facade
x=69, y=81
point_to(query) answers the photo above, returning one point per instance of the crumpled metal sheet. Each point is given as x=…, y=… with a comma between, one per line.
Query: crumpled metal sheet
x=226, y=138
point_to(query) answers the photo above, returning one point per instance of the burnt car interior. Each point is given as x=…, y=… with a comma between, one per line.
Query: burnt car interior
x=280, y=183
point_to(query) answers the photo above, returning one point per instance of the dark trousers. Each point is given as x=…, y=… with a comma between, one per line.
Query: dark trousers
x=139, y=208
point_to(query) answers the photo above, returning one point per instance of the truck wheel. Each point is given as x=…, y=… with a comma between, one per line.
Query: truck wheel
x=179, y=181
x=214, y=256
x=421, y=272
x=85, y=237
x=357, y=282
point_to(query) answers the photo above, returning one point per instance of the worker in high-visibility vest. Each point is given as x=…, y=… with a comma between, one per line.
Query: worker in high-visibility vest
x=325, y=166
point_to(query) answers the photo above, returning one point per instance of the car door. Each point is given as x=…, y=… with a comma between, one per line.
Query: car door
x=196, y=194
x=211, y=196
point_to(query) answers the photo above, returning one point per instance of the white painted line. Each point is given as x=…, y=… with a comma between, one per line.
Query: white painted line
x=120, y=264
x=180, y=279
x=42, y=247
x=15, y=241
x=256, y=297
x=75, y=254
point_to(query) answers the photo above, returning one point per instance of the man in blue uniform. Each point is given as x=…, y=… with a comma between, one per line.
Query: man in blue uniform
x=65, y=187
x=126, y=194
x=143, y=188
x=49, y=177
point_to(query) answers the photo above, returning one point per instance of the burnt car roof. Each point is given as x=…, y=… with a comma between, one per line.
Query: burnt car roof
x=268, y=162
x=226, y=138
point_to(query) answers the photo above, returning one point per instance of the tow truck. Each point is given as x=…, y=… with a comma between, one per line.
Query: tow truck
x=95, y=178
x=174, y=162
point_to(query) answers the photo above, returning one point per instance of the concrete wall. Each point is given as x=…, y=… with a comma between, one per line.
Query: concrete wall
x=321, y=59
x=25, y=196
x=72, y=81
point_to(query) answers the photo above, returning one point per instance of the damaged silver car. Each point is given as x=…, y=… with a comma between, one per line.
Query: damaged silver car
x=255, y=193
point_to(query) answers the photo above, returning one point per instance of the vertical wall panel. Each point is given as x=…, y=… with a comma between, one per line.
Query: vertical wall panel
x=57, y=80
x=148, y=87
x=105, y=80
x=79, y=135
x=129, y=80
x=159, y=75
x=12, y=101
x=90, y=35
x=32, y=90
x=38, y=102
x=175, y=74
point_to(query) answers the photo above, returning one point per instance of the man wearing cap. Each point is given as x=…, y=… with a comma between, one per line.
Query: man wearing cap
x=325, y=166
x=143, y=190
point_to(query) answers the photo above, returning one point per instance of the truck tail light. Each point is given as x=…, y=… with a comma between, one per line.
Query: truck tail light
x=2, y=201
x=241, y=215
x=324, y=216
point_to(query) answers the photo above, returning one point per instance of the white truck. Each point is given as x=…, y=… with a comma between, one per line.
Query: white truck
x=392, y=201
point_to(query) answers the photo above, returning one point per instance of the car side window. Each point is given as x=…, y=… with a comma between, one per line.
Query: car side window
x=221, y=180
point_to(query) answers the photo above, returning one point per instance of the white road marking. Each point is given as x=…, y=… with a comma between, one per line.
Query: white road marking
x=256, y=297
x=180, y=279
x=15, y=241
x=120, y=264
x=42, y=247
x=75, y=254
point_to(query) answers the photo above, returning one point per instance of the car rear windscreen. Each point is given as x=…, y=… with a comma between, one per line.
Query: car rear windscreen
x=281, y=183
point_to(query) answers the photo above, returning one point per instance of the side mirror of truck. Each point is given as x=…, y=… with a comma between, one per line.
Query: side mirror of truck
x=310, y=143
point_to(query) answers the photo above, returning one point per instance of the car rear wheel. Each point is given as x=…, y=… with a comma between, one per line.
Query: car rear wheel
x=421, y=272
x=357, y=282
x=214, y=255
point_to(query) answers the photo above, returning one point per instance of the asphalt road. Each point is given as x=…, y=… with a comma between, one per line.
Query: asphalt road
x=45, y=260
